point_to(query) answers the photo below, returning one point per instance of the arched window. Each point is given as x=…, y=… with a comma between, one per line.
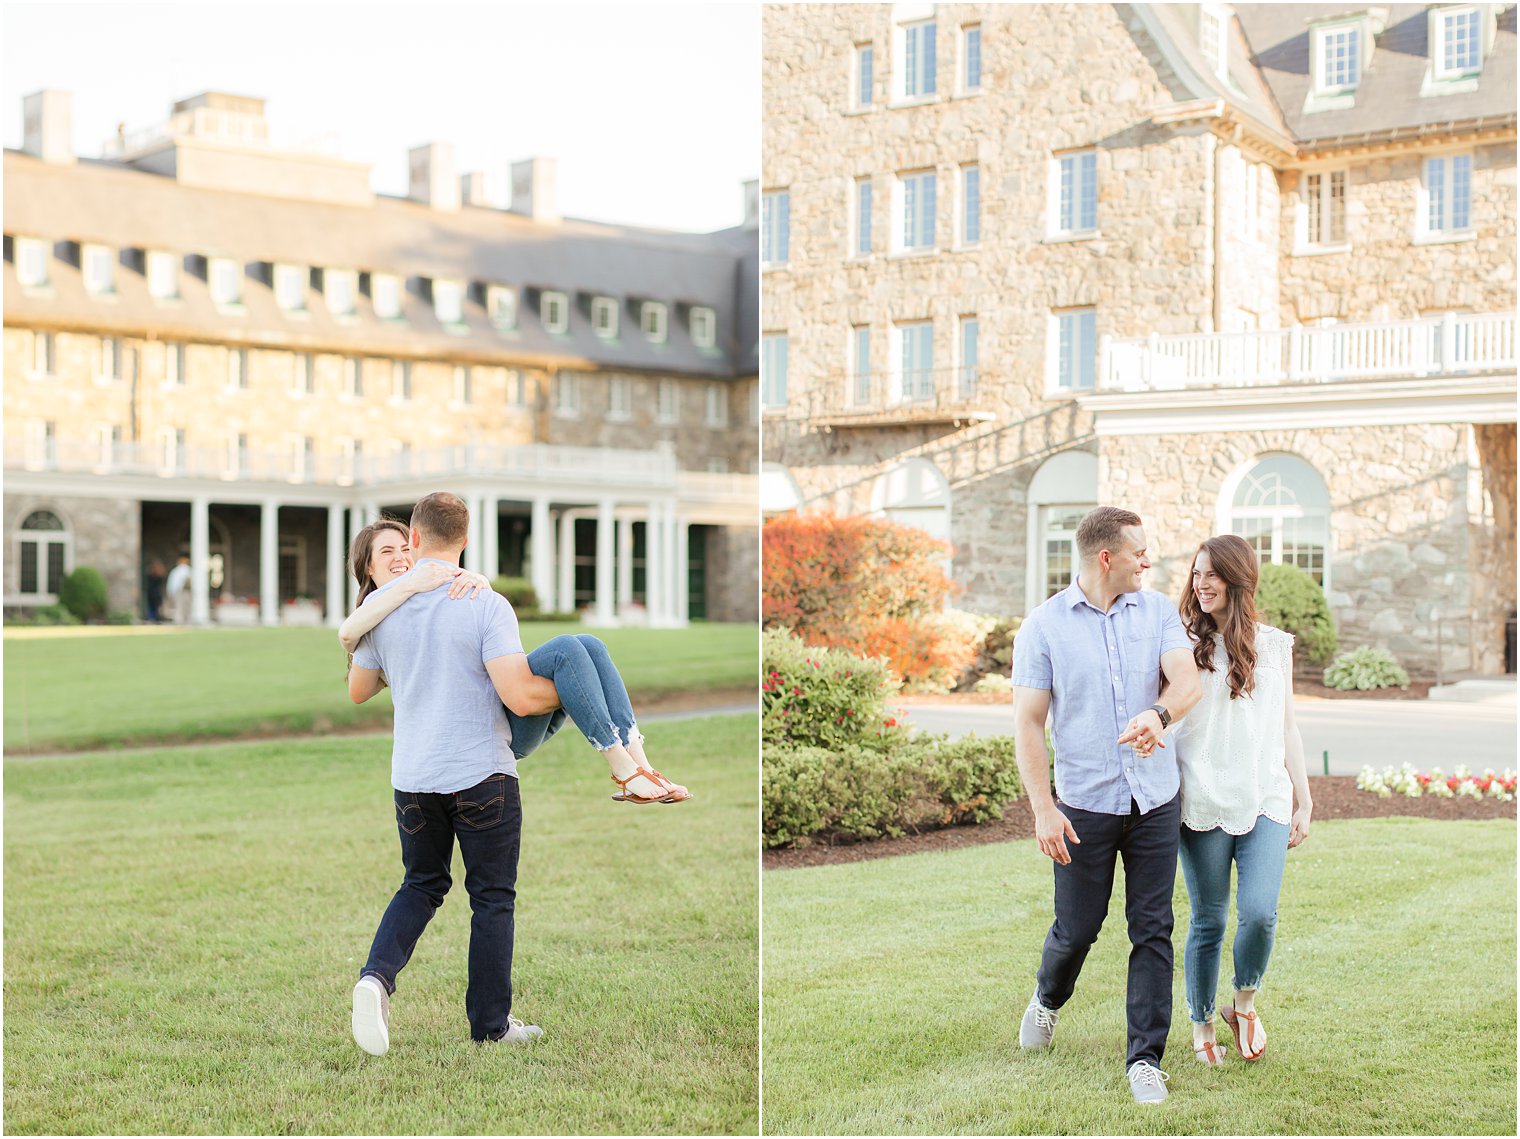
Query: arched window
x=1281, y=506
x=1062, y=490
x=914, y=493
x=778, y=490
x=44, y=555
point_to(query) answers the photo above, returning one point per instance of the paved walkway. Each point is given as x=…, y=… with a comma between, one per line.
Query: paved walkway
x=1428, y=733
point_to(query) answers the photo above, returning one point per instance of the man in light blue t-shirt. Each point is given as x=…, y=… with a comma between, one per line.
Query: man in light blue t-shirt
x=450, y=667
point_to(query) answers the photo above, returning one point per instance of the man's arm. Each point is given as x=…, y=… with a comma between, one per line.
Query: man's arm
x=1051, y=827
x=363, y=683
x=1181, y=691
x=521, y=691
x=419, y=579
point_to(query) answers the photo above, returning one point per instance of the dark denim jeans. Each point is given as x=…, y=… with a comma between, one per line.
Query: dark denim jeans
x=591, y=693
x=487, y=819
x=1148, y=845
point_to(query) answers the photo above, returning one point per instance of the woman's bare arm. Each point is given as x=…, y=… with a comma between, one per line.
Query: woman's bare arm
x=1293, y=760
x=423, y=577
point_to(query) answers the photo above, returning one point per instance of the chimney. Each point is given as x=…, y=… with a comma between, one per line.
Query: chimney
x=476, y=189
x=752, y=204
x=432, y=176
x=533, y=189
x=49, y=132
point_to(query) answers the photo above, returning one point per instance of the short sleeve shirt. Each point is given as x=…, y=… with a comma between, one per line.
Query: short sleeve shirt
x=451, y=729
x=1101, y=670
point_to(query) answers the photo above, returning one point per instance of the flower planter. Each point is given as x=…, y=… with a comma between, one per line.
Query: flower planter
x=236, y=613
x=301, y=613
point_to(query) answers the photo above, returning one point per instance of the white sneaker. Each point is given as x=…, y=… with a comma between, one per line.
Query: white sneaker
x=1038, y=1025
x=1147, y=1081
x=518, y=1033
x=372, y=1016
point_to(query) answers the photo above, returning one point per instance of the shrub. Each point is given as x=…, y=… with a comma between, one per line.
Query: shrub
x=83, y=593
x=53, y=615
x=121, y=617
x=994, y=682
x=857, y=792
x=1289, y=598
x=572, y=617
x=517, y=590
x=1364, y=669
x=819, y=697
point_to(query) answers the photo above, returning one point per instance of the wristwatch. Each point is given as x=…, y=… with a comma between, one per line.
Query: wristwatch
x=1166, y=717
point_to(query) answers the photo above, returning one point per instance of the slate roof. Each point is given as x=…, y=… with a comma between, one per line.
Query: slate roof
x=125, y=208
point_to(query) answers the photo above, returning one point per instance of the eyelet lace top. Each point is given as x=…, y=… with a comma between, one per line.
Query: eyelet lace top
x=1230, y=752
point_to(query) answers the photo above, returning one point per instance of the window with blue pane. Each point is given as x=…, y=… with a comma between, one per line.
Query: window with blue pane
x=860, y=389
x=971, y=196
x=1448, y=192
x=918, y=210
x=775, y=226
x=773, y=370
x=1461, y=42
x=968, y=374
x=1077, y=210
x=1340, y=58
x=973, y=52
x=865, y=75
x=917, y=361
x=863, y=216
x=1077, y=349
x=918, y=59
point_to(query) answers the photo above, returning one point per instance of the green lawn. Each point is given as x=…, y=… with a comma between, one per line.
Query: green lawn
x=78, y=688
x=894, y=990
x=183, y=927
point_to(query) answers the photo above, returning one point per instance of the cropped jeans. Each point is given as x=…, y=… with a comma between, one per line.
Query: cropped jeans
x=591, y=693
x=1258, y=855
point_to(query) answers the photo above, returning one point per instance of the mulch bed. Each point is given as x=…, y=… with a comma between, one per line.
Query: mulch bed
x=1335, y=797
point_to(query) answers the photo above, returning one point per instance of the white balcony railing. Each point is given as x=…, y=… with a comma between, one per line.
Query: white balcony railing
x=1449, y=345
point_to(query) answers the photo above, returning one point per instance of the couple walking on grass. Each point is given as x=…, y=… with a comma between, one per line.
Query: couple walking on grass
x=1113, y=666
x=470, y=703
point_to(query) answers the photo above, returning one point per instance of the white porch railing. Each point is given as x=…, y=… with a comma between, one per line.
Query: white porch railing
x=1449, y=345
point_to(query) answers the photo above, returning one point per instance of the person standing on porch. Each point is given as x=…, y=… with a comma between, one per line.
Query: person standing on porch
x=177, y=589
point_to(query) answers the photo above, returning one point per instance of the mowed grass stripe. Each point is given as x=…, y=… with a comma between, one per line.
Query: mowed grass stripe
x=894, y=990
x=182, y=929
x=80, y=688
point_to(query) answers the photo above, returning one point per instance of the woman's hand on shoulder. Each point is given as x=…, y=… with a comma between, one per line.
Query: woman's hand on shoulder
x=429, y=575
x=469, y=584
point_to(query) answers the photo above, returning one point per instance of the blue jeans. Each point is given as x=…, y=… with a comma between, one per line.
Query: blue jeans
x=487, y=820
x=591, y=693
x=1258, y=855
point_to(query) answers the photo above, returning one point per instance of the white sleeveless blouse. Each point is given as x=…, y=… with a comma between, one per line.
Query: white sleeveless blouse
x=1231, y=752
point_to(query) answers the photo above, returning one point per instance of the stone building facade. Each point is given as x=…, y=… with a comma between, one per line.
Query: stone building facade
x=215, y=347
x=1018, y=260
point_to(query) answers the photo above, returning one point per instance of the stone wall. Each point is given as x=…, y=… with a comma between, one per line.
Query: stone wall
x=733, y=573
x=106, y=535
x=1398, y=523
x=1493, y=546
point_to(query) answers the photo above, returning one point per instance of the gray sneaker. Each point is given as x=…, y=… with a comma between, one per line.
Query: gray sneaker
x=372, y=1016
x=1147, y=1081
x=518, y=1033
x=1038, y=1026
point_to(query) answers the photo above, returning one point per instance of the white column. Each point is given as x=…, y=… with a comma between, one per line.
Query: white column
x=336, y=552
x=542, y=555
x=355, y=524
x=605, y=522
x=490, y=537
x=200, y=560
x=269, y=563
x=655, y=563
x=681, y=535
x=566, y=595
x=475, y=547
x=624, y=563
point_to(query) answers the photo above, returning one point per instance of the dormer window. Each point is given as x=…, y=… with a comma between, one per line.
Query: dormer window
x=163, y=274
x=501, y=303
x=448, y=301
x=1338, y=57
x=31, y=262
x=604, y=317
x=225, y=280
x=1213, y=20
x=339, y=289
x=1456, y=42
x=385, y=295
x=290, y=287
x=99, y=269
x=704, y=327
x=554, y=311
x=652, y=320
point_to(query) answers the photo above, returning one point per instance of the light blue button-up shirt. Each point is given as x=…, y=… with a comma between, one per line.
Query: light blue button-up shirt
x=1101, y=670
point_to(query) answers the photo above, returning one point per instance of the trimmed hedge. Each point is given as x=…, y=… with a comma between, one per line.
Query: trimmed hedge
x=856, y=792
x=1289, y=598
x=819, y=697
x=83, y=593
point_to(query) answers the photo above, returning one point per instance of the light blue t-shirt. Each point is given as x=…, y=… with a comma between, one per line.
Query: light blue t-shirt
x=451, y=729
x=1101, y=670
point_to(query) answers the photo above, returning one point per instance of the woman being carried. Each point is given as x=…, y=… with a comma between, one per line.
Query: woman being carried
x=591, y=692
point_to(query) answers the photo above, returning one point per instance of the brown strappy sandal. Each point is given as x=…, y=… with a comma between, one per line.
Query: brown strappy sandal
x=1246, y=1025
x=673, y=792
x=1212, y=1053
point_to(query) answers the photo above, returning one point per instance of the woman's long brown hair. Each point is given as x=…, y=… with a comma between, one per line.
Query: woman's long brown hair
x=364, y=544
x=1232, y=558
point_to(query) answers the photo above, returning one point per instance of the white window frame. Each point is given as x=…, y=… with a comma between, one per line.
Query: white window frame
x=863, y=76
x=668, y=402
x=654, y=319
x=97, y=264
x=918, y=383
x=41, y=444
x=1445, y=228
x=171, y=450
x=235, y=457
x=703, y=323
x=1213, y=36
x=1079, y=169
x=401, y=381
x=302, y=456
x=176, y=362
x=967, y=372
x=385, y=295
x=909, y=212
x=501, y=305
x=515, y=383
x=303, y=375
x=969, y=34
x=107, y=437
x=554, y=311
x=224, y=278
x=862, y=203
x=42, y=539
x=464, y=387
x=567, y=395
x=29, y=249
x=916, y=80
x=1229, y=516
x=1439, y=33
x=774, y=350
x=353, y=377
x=44, y=357
x=604, y=317
x=289, y=282
x=969, y=174
x=333, y=294
x=1356, y=29
x=237, y=370
x=862, y=385
x=775, y=227
x=161, y=268
x=619, y=399
x=448, y=301
x=717, y=406
x=1317, y=211
x=1061, y=381
x=348, y=448
x=108, y=361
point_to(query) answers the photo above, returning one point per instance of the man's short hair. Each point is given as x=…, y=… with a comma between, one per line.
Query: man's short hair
x=442, y=519
x=1103, y=529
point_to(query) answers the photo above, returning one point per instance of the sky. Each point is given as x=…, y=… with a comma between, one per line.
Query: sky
x=651, y=111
